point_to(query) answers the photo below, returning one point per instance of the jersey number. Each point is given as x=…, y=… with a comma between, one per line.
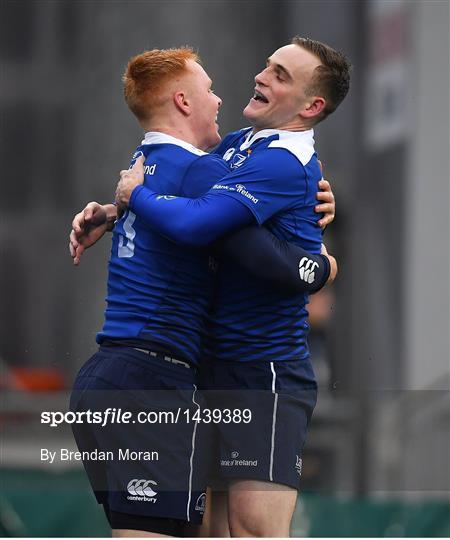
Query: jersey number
x=126, y=242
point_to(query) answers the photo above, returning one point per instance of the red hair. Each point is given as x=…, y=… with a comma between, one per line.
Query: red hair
x=147, y=73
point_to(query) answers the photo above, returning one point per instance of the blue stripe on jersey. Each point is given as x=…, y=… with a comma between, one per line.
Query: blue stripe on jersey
x=159, y=292
x=251, y=322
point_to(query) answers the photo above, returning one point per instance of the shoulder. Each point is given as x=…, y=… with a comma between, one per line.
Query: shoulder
x=202, y=174
x=209, y=162
x=267, y=161
x=299, y=144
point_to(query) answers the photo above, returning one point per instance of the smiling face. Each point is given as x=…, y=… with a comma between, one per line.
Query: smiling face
x=281, y=100
x=204, y=106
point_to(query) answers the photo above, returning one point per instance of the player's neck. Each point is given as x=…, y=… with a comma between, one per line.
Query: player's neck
x=294, y=125
x=180, y=131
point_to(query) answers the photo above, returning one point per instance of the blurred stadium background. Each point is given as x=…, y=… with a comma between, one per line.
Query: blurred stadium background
x=377, y=462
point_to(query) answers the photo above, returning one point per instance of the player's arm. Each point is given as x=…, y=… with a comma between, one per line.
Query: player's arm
x=194, y=222
x=286, y=266
x=87, y=230
x=254, y=192
x=227, y=207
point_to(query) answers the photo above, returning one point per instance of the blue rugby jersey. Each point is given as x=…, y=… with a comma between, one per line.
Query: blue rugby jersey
x=275, y=174
x=159, y=292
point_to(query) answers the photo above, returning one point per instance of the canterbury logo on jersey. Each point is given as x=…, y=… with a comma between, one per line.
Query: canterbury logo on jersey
x=141, y=490
x=306, y=269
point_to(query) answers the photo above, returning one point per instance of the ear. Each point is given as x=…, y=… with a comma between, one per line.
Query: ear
x=181, y=102
x=314, y=107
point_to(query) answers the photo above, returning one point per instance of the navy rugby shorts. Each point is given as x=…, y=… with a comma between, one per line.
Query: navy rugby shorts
x=154, y=469
x=281, y=397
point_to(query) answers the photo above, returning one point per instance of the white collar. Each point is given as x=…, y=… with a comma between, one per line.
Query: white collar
x=307, y=136
x=157, y=137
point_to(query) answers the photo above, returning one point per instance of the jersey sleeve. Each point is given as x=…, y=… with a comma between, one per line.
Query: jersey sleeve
x=202, y=174
x=286, y=266
x=266, y=183
x=196, y=219
x=192, y=222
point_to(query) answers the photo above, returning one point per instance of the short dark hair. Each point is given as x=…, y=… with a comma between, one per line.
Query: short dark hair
x=332, y=78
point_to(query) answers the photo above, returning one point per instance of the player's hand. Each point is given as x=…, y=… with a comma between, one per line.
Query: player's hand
x=88, y=226
x=129, y=179
x=333, y=264
x=327, y=204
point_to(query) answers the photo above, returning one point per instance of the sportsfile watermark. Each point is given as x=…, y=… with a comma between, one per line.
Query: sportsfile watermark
x=404, y=426
x=113, y=415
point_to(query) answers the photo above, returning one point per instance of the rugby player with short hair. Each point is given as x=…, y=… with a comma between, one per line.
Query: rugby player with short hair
x=258, y=353
x=158, y=300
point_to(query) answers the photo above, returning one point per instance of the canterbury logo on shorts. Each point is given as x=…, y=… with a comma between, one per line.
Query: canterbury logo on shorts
x=141, y=490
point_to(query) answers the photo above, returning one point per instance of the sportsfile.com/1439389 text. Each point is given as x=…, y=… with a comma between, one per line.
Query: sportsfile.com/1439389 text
x=118, y=416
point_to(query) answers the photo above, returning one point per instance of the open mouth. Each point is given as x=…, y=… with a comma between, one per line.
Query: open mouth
x=257, y=96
